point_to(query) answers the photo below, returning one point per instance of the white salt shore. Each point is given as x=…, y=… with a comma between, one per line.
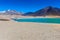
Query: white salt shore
x=10, y=30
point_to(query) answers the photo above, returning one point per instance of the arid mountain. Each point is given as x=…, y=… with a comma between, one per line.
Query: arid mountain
x=45, y=12
x=10, y=12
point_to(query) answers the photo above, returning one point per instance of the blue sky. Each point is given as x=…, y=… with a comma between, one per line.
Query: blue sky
x=27, y=5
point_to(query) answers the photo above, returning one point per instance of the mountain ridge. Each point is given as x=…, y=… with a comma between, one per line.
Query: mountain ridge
x=46, y=12
x=10, y=12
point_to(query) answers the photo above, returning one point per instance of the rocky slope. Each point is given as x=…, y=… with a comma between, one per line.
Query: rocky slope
x=47, y=11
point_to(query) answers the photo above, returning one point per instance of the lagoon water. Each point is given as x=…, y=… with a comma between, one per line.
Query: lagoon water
x=39, y=20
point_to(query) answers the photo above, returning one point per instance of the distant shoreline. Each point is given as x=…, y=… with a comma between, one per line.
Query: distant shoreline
x=19, y=16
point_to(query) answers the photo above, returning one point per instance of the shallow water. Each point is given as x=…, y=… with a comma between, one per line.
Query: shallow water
x=39, y=20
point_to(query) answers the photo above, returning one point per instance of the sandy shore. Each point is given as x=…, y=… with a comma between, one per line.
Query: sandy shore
x=28, y=31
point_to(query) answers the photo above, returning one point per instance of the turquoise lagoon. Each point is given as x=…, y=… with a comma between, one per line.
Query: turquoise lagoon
x=39, y=20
